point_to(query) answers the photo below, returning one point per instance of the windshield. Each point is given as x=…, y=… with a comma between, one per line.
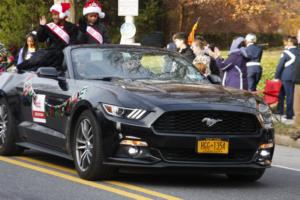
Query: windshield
x=95, y=63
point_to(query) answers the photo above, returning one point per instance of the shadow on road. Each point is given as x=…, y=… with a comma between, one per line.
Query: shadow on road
x=165, y=179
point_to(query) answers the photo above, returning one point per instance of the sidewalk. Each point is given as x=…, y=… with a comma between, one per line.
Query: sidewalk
x=284, y=134
x=286, y=140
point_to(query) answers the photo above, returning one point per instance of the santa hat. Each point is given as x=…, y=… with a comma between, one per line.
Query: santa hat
x=93, y=6
x=63, y=9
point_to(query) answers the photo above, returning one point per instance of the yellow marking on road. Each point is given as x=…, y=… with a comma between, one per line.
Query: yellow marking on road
x=47, y=164
x=120, y=184
x=143, y=190
x=74, y=179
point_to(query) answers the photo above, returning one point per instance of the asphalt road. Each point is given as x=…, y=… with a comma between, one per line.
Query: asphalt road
x=36, y=176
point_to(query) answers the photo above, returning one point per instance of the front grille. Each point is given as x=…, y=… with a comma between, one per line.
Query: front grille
x=191, y=122
x=190, y=155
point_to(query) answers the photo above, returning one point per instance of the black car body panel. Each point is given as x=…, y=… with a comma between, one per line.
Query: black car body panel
x=169, y=127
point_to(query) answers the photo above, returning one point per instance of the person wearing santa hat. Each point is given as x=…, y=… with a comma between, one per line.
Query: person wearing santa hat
x=91, y=30
x=59, y=33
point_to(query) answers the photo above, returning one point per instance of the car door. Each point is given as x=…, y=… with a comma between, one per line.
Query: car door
x=44, y=107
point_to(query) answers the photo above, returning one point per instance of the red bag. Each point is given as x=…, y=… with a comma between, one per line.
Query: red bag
x=272, y=90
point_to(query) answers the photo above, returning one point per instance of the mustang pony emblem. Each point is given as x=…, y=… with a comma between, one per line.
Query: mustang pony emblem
x=210, y=122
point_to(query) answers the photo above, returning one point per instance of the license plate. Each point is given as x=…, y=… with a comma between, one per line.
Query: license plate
x=213, y=146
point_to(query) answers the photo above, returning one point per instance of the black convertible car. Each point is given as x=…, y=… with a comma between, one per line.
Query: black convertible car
x=127, y=107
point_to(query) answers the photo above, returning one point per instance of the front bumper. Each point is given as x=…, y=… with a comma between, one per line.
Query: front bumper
x=179, y=151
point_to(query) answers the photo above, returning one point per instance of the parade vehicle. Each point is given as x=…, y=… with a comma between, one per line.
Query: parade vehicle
x=114, y=107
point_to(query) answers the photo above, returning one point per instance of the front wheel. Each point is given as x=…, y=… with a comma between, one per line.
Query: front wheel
x=8, y=132
x=249, y=176
x=88, y=149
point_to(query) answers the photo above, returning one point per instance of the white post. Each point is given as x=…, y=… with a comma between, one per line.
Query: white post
x=128, y=9
x=125, y=40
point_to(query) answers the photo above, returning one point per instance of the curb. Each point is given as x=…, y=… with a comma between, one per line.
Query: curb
x=287, y=141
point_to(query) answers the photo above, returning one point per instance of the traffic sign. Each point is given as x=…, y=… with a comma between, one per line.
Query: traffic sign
x=128, y=7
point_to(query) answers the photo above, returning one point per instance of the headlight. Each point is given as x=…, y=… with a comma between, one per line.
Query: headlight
x=263, y=108
x=266, y=114
x=128, y=113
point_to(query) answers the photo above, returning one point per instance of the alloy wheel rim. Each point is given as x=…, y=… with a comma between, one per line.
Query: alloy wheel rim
x=3, y=124
x=84, y=145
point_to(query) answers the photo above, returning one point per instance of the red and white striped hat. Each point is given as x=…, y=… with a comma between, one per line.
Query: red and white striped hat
x=93, y=6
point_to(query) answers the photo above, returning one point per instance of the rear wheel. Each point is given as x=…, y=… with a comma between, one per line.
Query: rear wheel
x=249, y=176
x=88, y=149
x=7, y=131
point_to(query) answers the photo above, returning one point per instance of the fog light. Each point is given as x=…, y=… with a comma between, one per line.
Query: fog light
x=264, y=153
x=266, y=146
x=136, y=143
x=133, y=151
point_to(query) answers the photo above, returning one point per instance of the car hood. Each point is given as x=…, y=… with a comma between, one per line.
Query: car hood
x=162, y=93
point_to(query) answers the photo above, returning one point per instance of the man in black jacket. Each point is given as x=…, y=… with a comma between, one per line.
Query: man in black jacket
x=92, y=31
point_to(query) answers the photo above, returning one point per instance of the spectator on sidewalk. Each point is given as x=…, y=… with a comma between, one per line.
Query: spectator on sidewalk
x=284, y=72
x=254, y=69
x=30, y=47
x=201, y=48
x=180, y=40
x=234, y=67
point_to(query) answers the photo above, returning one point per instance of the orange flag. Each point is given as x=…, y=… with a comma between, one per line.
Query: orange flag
x=191, y=37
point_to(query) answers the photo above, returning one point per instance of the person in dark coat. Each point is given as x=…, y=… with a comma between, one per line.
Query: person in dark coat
x=284, y=72
x=254, y=69
x=59, y=33
x=92, y=31
x=234, y=67
x=180, y=40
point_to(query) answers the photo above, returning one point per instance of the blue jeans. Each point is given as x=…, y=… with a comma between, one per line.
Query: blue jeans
x=254, y=74
x=287, y=91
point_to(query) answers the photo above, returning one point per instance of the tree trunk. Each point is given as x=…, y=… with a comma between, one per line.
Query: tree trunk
x=72, y=17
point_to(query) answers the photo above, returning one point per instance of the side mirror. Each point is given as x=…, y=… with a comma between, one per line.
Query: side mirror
x=214, y=79
x=47, y=72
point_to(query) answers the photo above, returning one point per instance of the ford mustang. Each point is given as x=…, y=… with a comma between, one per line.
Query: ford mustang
x=115, y=107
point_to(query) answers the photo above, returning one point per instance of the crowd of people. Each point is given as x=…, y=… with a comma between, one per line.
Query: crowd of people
x=241, y=69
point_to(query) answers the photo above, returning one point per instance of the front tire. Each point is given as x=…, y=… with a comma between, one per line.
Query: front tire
x=8, y=131
x=250, y=176
x=88, y=149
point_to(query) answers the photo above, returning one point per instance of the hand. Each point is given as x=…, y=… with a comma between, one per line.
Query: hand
x=43, y=20
x=215, y=54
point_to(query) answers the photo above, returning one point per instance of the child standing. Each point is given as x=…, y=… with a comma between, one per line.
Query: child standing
x=92, y=31
x=59, y=33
